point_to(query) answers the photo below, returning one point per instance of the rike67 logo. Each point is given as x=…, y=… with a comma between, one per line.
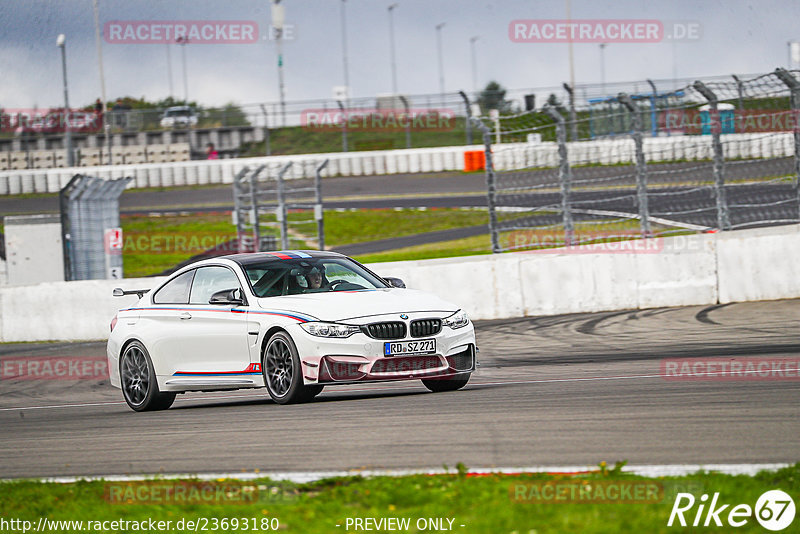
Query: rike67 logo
x=774, y=511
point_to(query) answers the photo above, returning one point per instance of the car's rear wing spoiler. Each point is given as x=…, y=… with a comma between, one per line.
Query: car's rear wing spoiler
x=119, y=292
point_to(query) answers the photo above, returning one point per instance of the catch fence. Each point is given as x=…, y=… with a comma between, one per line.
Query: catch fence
x=709, y=156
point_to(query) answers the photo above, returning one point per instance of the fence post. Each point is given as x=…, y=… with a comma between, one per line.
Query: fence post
x=238, y=193
x=66, y=207
x=318, y=212
x=653, y=109
x=491, y=185
x=344, y=125
x=266, y=130
x=739, y=91
x=715, y=126
x=408, y=120
x=467, y=121
x=573, y=124
x=794, y=100
x=254, y=212
x=281, y=211
x=641, y=166
x=564, y=174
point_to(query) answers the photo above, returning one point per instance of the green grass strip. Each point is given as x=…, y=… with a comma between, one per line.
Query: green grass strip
x=490, y=503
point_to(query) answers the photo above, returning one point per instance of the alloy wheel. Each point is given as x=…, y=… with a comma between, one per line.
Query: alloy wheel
x=135, y=375
x=279, y=367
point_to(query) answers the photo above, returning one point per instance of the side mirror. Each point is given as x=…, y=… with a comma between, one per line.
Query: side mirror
x=227, y=297
x=395, y=282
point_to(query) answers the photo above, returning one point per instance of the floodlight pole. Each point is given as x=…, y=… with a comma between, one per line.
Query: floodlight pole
x=61, y=42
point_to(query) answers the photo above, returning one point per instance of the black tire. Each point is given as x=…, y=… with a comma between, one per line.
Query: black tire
x=283, y=375
x=452, y=383
x=138, y=380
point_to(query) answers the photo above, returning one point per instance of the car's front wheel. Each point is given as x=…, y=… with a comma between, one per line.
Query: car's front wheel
x=138, y=381
x=282, y=372
x=450, y=383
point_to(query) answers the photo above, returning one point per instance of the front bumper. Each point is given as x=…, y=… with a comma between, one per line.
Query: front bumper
x=361, y=358
x=336, y=370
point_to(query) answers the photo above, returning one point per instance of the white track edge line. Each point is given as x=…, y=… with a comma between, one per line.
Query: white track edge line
x=671, y=378
x=301, y=477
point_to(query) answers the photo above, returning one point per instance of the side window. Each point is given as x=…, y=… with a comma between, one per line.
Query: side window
x=209, y=280
x=176, y=291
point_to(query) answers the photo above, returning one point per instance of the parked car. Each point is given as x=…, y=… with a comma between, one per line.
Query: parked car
x=292, y=321
x=179, y=117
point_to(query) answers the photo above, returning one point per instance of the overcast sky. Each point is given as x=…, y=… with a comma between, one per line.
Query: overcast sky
x=737, y=37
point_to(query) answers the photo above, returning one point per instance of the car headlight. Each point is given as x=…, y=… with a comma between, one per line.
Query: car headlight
x=458, y=320
x=320, y=329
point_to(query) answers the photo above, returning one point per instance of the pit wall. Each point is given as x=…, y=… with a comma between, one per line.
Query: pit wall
x=702, y=269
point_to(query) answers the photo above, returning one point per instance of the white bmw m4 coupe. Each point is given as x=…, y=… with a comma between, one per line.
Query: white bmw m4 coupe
x=293, y=322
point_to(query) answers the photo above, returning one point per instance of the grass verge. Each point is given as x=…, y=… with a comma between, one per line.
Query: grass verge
x=518, y=240
x=153, y=244
x=490, y=503
x=468, y=246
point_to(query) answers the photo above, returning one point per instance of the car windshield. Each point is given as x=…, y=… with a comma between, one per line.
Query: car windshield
x=272, y=278
x=179, y=113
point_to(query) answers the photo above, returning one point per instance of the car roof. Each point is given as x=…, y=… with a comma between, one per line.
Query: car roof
x=250, y=258
x=258, y=257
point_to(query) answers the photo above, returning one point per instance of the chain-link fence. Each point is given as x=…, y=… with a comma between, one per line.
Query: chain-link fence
x=90, y=227
x=271, y=212
x=719, y=155
x=269, y=127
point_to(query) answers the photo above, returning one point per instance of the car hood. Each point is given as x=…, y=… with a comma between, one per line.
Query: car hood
x=346, y=305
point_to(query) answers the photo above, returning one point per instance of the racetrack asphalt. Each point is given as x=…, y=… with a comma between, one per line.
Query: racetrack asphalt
x=562, y=390
x=419, y=189
x=677, y=198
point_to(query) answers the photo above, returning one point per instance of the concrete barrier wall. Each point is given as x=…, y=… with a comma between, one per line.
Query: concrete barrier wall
x=675, y=271
x=759, y=264
x=507, y=156
x=743, y=265
x=222, y=171
x=63, y=310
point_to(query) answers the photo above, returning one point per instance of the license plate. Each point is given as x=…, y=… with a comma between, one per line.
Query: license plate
x=420, y=346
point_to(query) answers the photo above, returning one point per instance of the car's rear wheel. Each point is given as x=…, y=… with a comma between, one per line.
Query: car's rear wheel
x=138, y=380
x=451, y=383
x=282, y=372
